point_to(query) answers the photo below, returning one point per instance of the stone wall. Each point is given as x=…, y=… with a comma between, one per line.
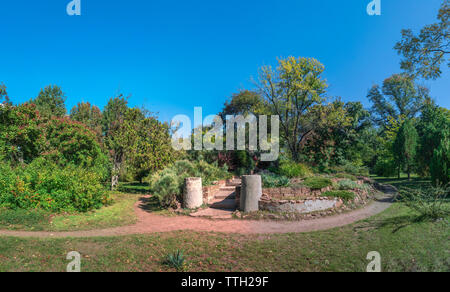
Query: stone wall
x=300, y=206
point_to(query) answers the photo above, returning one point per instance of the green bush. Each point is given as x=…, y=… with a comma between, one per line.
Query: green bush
x=344, y=195
x=167, y=185
x=317, y=183
x=45, y=185
x=385, y=168
x=346, y=176
x=430, y=202
x=274, y=181
x=292, y=169
x=348, y=185
x=352, y=168
x=176, y=260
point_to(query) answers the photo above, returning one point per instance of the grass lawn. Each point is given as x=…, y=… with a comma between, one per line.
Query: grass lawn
x=403, y=181
x=120, y=213
x=403, y=245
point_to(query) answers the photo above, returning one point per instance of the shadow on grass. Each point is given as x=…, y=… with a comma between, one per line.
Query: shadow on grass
x=150, y=204
x=396, y=223
x=134, y=188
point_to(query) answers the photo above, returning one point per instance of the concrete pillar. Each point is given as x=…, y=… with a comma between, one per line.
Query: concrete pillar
x=193, y=193
x=251, y=192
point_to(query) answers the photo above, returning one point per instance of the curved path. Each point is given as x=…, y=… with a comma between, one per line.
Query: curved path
x=151, y=223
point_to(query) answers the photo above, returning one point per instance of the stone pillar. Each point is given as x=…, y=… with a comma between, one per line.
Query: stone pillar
x=193, y=193
x=251, y=193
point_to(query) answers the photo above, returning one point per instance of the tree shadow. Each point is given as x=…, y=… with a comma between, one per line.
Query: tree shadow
x=396, y=223
x=150, y=204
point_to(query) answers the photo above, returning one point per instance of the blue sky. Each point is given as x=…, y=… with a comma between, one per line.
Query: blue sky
x=174, y=55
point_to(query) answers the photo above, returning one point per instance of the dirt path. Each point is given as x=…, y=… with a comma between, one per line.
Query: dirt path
x=151, y=223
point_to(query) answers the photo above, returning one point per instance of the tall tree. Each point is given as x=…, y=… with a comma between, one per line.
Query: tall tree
x=432, y=127
x=424, y=53
x=440, y=163
x=152, y=149
x=4, y=99
x=117, y=136
x=399, y=99
x=405, y=146
x=51, y=102
x=291, y=90
x=88, y=114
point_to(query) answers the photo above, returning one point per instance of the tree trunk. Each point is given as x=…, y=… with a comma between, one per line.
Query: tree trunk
x=409, y=173
x=115, y=175
x=399, y=167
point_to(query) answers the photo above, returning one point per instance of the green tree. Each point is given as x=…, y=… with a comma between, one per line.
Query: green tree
x=243, y=103
x=51, y=102
x=291, y=90
x=4, y=99
x=116, y=135
x=21, y=133
x=405, y=147
x=88, y=114
x=152, y=149
x=424, y=53
x=440, y=163
x=432, y=127
x=400, y=98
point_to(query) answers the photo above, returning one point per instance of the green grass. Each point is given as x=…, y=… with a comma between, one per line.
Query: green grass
x=415, y=181
x=120, y=213
x=134, y=188
x=403, y=244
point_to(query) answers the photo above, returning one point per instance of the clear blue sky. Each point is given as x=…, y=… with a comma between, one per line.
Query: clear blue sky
x=174, y=55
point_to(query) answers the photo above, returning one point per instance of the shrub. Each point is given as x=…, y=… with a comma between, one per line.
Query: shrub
x=317, y=183
x=167, y=185
x=45, y=185
x=344, y=195
x=292, y=169
x=176, y=260
x=430, y=202
x=346, y=176
x=352, y=168
x=385, y=168
x=274, y=181
x=348, y=185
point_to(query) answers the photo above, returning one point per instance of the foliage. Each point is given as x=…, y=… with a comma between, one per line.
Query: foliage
x=21, y=133
x=352, y=168
x=4, y=98
x=405, y=146
x=424, y=53
x=317, y=183
x=168, y=184
x=430, y=202
x=432, y=128
x=290, y=90
x=44, y=185
x=244, y=103
x=176, y=260
x=88, y=114
x=116, y=136
x=399, y=98
x=274, y=181
x=344, y=195
x=440, y=164
x=291, y=169
x=346, y=176
x=385, y=167
x=50, y=102
x=348, y=185
x=151, y=150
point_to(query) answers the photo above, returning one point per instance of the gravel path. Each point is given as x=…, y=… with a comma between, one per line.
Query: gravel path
x=151, y=223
